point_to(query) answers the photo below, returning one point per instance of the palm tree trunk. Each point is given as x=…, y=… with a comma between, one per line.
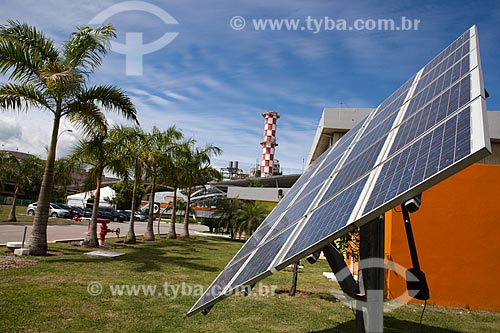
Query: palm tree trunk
x=149, y=234
x=186, y=216
x=130, y=236
x=91, y=239
x=171, y=233
x=38, y=238
x=12, y=214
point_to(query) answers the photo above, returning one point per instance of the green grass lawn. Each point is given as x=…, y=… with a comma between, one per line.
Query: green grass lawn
x=52, y=296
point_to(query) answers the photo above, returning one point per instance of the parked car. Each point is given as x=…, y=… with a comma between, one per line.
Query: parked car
x=138, y=216
x=55, y=210
x=87, y=212
x=73, y=210
x=112, y=214
x=141, y=216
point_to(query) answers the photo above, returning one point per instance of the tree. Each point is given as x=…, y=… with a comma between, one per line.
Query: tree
x=25, y=173
x=227, y=214
x=64, y=169
x=251, y=214
x=173, y=174
x=123, y=194
x=98, y=153
x=44, y=77
x=131, y=149
x=157, y=148
x=196, y=170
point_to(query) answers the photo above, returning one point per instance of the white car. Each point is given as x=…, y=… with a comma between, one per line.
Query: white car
x=55, y=210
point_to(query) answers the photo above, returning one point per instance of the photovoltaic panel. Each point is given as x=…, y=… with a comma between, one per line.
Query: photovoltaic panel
x=431, y=127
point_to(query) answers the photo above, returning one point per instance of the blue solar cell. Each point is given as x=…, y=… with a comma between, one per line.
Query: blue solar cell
x=260, y=263
x=447, y=51
x=433, y=113
x=216, y=288
x=326, y=220
x=434, y=152
x=437, y=71
x=297, y=211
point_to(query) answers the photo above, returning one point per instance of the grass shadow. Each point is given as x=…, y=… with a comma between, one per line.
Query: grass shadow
x=149, y=256
x=391, y=325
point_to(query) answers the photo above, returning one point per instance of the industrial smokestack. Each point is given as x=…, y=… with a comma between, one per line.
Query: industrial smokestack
x=268, y=143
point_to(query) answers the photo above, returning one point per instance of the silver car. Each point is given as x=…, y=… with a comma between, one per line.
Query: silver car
x=55, y=210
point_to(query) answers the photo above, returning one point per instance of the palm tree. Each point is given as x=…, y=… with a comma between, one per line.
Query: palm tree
x=227, y=214
x=197, y=170
x=173, y=174
x=251, y=214
x=45, y=77
x=99, y=152
x=158, y=144
x=64, y=169
x=132, y=150
x=25, y=173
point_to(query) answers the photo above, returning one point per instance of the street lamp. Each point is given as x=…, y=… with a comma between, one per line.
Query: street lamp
x=68, y=130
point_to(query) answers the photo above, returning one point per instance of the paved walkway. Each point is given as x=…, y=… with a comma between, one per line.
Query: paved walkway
x=13, y=232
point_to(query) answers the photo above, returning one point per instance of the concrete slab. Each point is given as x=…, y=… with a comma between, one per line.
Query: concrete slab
x=106, y=254
x=22, y=251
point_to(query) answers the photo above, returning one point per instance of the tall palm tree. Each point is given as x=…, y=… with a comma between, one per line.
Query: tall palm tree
x=251, y=214
x=158, y=145
x=44, y=77
x=173, y=174
x=133, y=152
x=197, y=170
x=98, y=152
x=64, y=170
x=25, y=173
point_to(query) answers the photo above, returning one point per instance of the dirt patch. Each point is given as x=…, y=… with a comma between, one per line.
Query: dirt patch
x=9, y=262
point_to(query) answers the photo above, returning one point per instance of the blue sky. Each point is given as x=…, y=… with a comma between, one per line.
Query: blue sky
x=213, y=81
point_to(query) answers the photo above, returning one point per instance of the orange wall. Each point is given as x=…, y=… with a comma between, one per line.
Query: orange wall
x=457, y=235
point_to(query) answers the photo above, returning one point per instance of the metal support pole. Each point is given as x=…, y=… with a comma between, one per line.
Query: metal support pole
x=295, y=276
x=416, y=283
x=370, y=311
x=411, y=239
x=339, y=268
x=24, y=237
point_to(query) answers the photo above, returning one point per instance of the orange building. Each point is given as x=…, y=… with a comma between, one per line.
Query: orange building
x=456, y=229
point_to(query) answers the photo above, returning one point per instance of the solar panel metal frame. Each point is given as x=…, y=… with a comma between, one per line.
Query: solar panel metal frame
x=479, y=148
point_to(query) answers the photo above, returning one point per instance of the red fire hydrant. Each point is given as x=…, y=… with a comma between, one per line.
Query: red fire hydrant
x=105, y=230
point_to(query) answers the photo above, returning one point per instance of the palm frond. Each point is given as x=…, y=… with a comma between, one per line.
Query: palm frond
x=30, y=38
x=88, y=118
x=22, y=97
x=112, y=99
x=18, y=62
x=87, y=47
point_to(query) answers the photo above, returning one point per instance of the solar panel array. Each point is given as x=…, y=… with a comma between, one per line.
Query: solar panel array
x=430, y=128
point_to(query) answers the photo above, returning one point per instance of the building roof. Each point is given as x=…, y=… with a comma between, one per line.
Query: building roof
x=335, y=122
x=281, y=181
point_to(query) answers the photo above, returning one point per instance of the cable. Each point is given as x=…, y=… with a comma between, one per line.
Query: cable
x=423, y=310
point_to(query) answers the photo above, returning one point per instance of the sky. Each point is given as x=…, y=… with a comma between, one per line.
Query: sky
x=211, y=69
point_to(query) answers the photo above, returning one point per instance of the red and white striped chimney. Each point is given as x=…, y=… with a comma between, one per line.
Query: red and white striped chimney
x=269, y=143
